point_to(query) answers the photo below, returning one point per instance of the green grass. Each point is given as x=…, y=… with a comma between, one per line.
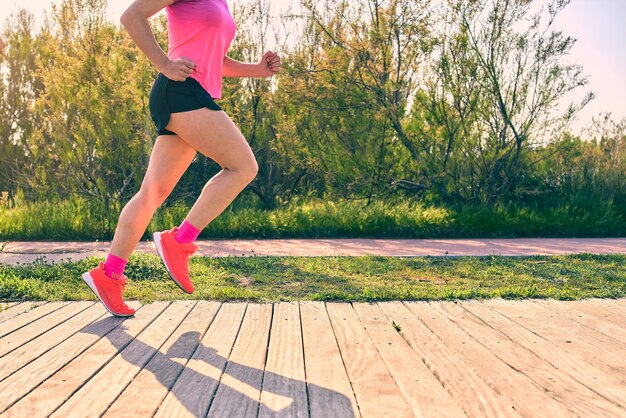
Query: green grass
x=83, y=220
x=367, y=278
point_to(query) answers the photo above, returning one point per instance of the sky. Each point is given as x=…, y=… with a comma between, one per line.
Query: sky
x=598, y=25
x=600, y=29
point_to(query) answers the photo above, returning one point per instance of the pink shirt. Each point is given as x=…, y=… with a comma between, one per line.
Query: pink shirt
x=201, y=30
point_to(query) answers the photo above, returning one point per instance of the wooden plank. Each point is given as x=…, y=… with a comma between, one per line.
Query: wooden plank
x=602, y=307
x=609, y=325
x=239, y=389
x=51, y=338
x=194, y=389
x=376, y=392
x=618, y=305
x=611, y=386
x=607, y=310
x=18, y=308
x=284, y=383
x=157, y=377
x=462, y=382
x=555, y=321
x=422, y=391
x=36, y=328
x=330, y=393
x=74, y=366
x=26, y=318
x=529, y=397
x=563, y=333
x=94, y=397
x=621, y=302
x=559, y=385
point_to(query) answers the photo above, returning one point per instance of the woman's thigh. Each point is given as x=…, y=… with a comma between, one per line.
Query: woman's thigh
x=169, y=159
x=215, y=135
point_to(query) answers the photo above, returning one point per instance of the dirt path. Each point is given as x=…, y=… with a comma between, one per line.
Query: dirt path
x=15, y=252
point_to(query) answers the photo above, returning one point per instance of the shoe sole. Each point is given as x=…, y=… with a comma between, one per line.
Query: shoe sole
x=159, y=248
x=89, y=280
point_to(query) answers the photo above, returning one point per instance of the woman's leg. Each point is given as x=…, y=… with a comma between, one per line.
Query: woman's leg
x=169, y=160
x=216, y=136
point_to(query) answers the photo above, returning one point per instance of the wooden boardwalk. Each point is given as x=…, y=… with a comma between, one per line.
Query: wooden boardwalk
x=395, y=359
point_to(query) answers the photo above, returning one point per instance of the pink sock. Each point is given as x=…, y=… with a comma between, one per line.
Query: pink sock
x=114, y=264
x=186, y=232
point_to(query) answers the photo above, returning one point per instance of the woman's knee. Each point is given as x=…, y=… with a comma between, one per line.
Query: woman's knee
x=153, y=195
x=247, y=170
x=253, y=169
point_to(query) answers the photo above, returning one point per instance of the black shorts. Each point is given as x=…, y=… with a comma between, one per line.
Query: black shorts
x=169, y=96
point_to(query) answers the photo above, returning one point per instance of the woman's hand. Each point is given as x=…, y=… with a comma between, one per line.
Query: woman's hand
x=178, y=69
x=269, y=64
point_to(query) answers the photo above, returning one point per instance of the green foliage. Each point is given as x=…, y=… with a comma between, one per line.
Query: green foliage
x=84, y=219
x=497, y=77
x=374, y=104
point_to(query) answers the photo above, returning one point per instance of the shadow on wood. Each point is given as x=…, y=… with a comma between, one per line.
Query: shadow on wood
x=201, y=404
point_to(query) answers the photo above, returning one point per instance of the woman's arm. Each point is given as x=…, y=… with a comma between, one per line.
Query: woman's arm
x=1, y=45
x=135, y=20
x=268, y=66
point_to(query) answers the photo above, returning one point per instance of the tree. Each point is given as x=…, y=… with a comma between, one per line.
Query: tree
x=94, y=132
x=500, y=76
x=253, y=106
x=353, y=71
x=18, y=89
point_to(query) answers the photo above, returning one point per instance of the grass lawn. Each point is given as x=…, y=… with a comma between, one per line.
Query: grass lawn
x=363, y=278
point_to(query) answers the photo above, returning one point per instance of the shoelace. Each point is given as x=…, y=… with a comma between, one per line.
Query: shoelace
x=189, y=249
x=119, y=278
x=121, y=281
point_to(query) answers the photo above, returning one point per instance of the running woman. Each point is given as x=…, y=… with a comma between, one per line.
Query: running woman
x=188, y=120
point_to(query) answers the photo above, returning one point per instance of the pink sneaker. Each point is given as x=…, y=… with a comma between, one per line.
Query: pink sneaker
x=108, y=290
x=175, y=257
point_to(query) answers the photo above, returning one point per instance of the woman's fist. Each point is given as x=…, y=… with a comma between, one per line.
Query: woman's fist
x=269, y=64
